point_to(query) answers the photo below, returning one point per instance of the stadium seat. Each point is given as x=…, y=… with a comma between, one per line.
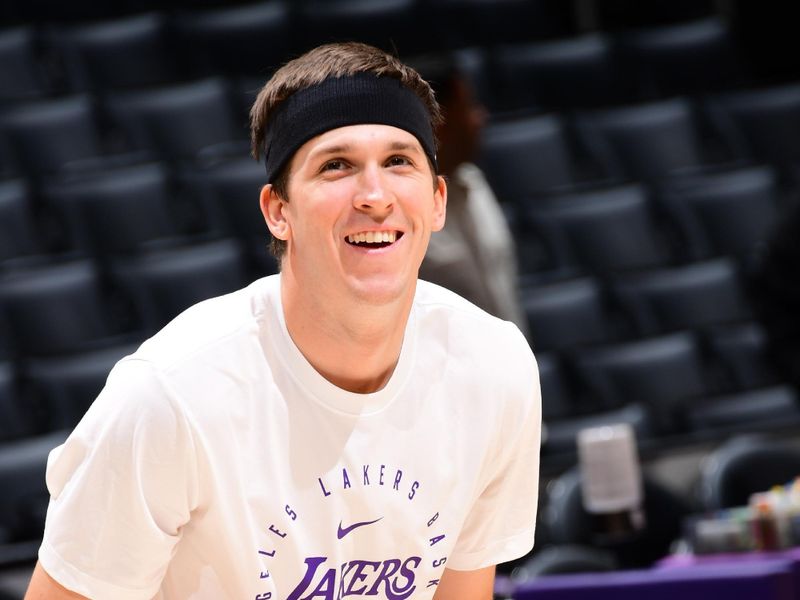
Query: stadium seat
x=741, y=351
x=24, y=501
x=18, y=235
x=686, y=58
x=47, y=135
x=117, y=54
x=393, y=25
x=162, y=283
x=245, y=39
x=689, y=296
x=178, y=122
x=631, y=14
x=15, y=420
x=461, y=23
x=565, y=558
x=566, y=314
x=114, y=211
x=727, y=212
x=67, y=385
x=55, y=308
x=21, y=76
x=662, y=373
x=751, y=410
x=743, y=466
x=562, y=74
x=765, y=121
x=560, y=436
x=644, y=141
x=526, y=157
x=568, y=522
x=231, y=190
x=555, y=386
x=604, y=230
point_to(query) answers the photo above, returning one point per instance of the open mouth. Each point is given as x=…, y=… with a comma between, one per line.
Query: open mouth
x=374, y=239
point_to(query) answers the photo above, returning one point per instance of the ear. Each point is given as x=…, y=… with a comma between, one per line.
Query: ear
x=273, y=208
x=439, y=204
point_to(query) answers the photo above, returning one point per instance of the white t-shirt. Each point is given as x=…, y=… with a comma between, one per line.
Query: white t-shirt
x=217, y=463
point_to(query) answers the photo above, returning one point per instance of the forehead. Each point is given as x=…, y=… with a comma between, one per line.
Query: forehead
x=357, y=138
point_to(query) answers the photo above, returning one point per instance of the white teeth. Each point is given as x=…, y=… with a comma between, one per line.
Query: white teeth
x=372, y=237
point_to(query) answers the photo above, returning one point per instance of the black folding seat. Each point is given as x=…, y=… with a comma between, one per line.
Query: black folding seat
x=752, y=410
x=47, y=135
x=686, y=58
x=630, y=14
x=67, y=385
x=560, y=436
x=55, y=308
x=526, y=157
x=121, y=53
x=742, y=354
x=115, y=211
x=231, y=190
x=644, y=141
x=248, y=39
x=663, y=373
x=568, y=522
x=743, y=466
x=566, y=314
x=162, y=283
x=555, y=387
x=393, y=25
x=570, y=73
x=688, y=296
x=21, y=75
x=178, y=122
x=727, y=212
x=478, y=22
x=23, y=504
x=15, y=421
x=765, y=121
x=18, y=235
x=604, y=230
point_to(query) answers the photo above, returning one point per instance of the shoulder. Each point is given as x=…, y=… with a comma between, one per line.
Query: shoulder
x=471, y=335
x=208, y=328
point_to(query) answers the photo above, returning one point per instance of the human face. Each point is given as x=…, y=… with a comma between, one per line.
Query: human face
x=353, y=182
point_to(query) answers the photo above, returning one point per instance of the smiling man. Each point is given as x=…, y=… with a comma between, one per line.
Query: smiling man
x=338, y=430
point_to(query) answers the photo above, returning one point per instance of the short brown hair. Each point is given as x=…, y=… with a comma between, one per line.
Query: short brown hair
x=313, y=67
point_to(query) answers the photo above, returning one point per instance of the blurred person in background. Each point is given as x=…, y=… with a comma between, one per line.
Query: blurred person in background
x=474, y=255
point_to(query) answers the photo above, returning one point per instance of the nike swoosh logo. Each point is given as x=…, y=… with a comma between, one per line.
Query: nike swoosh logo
x=343, y=532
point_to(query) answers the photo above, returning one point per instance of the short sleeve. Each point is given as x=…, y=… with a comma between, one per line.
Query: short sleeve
x=121, y=488
x=501, y=523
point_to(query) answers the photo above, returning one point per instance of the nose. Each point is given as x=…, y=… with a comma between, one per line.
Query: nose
x=373, y=195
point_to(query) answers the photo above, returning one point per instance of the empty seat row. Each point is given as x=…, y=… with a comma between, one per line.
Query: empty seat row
x=584, y=310
x=527, y=157
x=662, y=386
x=55, y=309
x=172, y=123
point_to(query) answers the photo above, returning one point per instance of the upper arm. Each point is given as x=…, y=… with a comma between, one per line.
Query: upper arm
x=466, y=585
x=44, y=587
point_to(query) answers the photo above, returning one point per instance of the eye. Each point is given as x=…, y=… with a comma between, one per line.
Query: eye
x=334, y=165
x=399, y=161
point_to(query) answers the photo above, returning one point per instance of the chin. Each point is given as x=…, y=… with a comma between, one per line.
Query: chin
x=382, y=290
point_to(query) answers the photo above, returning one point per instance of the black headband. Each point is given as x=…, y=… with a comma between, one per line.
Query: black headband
x=341, y=101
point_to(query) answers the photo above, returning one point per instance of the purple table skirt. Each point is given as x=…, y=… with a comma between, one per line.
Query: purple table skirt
x=739, y=580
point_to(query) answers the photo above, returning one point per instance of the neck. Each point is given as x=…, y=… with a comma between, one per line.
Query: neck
x=354, y=345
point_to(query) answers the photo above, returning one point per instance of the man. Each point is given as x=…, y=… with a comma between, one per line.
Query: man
x=474, y=254
x=337, y=430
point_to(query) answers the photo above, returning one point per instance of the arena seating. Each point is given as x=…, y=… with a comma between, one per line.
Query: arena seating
x=640, y=153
